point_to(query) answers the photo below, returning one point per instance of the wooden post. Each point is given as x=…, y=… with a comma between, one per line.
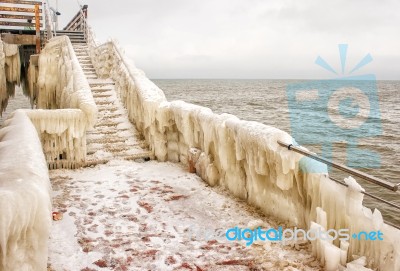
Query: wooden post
x=193, y=156
x=37, y=27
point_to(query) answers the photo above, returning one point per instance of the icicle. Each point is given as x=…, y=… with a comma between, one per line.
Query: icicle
x=245, y=158
x=10, y=69
x=3, y=81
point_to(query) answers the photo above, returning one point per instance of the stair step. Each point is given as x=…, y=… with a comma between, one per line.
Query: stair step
x=112, y=116
x=101, y=95
x=68, y=31
x=113, y=141
x=96, y=84
x=101, y=90
x=143, y=155
x=107, y=109
x=115, y=148
x=111, y=132
x=107, y=124
x=104, y=104
x=147, y=154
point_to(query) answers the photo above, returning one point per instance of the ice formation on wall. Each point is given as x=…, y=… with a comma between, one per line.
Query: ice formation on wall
x=63, y=136
x=3, y=82
x=10, y=69
x=62, y=87
x=61, y=81
x=13, y=63
x=245, y=157
x=25, y=205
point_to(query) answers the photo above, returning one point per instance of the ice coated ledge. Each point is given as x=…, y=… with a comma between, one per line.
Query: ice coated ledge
x=25, y=205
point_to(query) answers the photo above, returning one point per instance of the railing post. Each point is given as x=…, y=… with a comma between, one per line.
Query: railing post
x=37, y=27
x=48, y=22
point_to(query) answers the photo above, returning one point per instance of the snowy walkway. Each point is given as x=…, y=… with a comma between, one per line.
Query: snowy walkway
x=122, y=214
x=127, y=215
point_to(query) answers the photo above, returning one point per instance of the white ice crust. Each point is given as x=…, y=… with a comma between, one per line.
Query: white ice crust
x=25, y=202
x=10, y=69
x=66, y=106
x=244, y=157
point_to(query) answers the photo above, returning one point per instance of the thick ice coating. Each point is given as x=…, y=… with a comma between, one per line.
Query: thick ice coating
x=245, y=157
x=25, y=216
x=10, y=69
x=67, y=109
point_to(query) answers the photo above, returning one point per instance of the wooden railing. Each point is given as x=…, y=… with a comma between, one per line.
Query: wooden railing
x=17, y=14
x=78, y=23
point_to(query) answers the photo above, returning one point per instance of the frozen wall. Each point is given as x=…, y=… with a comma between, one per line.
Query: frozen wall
x=244, y=157
x=66, y=102
x=25, y=205
x=10, y=69
x=3, y=87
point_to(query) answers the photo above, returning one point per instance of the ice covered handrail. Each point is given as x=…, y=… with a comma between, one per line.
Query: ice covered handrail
x=66, y=106
x=362, y=175
x=72, y=89
x=81, y=18
x=49, y=29
x=78, y=21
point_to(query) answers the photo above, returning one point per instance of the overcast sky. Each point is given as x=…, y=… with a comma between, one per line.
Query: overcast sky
x=248, y=38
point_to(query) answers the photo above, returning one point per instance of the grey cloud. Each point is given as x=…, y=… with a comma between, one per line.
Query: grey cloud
x=247, y=38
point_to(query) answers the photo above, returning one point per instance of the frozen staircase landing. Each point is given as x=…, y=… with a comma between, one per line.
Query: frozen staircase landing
x=113, y=136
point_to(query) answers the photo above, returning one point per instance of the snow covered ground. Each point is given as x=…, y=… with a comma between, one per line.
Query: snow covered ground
x=128, y=215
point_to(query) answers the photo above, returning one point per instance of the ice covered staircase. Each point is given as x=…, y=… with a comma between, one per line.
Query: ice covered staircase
x=76, y=37
x=113, y=137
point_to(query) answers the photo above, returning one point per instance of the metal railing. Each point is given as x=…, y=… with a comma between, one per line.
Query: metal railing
x=383, y=183
x=362, y=175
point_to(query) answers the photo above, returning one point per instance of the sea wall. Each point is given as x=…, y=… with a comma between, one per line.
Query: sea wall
x=245, y=158
x=66, y=102
x=25, y=201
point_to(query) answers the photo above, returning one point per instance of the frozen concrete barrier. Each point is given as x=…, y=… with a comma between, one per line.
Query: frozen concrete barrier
x=25, y=201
